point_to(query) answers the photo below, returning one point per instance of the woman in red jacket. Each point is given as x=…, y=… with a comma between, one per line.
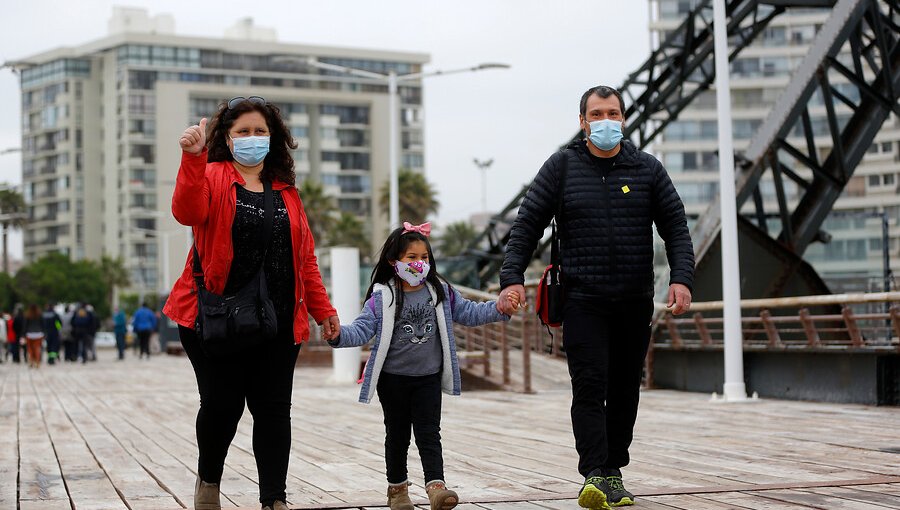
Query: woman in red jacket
x=219, y=192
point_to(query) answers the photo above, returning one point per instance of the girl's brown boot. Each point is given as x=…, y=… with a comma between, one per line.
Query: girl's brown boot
x=398, y=497
x=440, y=496
x=206, y=496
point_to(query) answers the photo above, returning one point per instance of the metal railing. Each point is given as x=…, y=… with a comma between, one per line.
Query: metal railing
x=502, y=352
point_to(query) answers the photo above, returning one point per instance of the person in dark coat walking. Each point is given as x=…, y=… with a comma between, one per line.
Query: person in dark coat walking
x=608, y=195
x=52, y=324
x=120, y=328
x=82, y=323
x=144, y=323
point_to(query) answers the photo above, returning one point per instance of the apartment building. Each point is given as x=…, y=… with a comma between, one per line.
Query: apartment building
x=101, y=121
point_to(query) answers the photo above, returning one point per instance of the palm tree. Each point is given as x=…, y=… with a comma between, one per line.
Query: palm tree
x=348, y=230
x=455, y=238
x=114, y=275
x=320, y=209
x=418, y=199
x=12, y=215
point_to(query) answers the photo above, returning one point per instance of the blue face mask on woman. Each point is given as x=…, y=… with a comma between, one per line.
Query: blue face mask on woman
x=606, y=133
x=250, y=150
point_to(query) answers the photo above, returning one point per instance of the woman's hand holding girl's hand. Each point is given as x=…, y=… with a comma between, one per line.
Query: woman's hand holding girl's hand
x=331, y=328
x=194, y=138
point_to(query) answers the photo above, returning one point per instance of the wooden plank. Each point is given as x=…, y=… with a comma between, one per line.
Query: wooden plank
x=40, y=477
x=860, y=496
x=812, y=500
x=9, y=436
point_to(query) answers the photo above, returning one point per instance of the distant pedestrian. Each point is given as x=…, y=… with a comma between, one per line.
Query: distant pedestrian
x=144, y=323
x=120, y=327
x=70, y=349
x=51, y=324
x=12, y=339
x=92, y=332
x=3, y=337
x=34, y=335
x=18, y=323
x=82, y=322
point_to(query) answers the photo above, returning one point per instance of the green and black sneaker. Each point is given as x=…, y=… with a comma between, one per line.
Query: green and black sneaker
x=594, y=493
x=616, y=494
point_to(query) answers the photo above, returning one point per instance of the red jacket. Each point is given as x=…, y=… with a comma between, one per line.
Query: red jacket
x=204, y=199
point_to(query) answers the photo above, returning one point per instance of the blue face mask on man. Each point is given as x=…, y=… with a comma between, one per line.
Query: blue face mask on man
x=250, y=150
x=606, y=133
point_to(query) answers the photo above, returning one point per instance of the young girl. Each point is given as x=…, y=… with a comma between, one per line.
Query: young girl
x=409, y=311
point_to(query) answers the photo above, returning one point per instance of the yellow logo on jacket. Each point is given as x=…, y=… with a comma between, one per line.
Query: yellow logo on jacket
x=625, y=189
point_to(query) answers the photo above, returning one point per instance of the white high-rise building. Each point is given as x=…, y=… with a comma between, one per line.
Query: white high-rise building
x=853, y=258
x=101, y=122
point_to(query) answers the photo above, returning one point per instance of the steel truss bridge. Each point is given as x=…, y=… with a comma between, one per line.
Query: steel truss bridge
x=851, y=71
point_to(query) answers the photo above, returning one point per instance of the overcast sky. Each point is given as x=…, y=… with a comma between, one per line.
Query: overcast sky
x=517, y=116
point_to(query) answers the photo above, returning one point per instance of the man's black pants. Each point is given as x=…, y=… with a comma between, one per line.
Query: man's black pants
x=606, y=343
x=263, y=377
x=411, y=402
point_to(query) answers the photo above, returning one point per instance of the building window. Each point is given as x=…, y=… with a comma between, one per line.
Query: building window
x=874, y=180
x=888, y=179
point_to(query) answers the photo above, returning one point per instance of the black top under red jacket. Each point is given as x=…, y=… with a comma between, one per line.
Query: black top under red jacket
x=606, y=226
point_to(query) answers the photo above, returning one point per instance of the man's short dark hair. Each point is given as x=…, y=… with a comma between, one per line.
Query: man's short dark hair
x=604, y=92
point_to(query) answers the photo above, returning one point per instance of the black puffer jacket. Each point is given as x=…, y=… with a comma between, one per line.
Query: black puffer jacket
x=606, y=232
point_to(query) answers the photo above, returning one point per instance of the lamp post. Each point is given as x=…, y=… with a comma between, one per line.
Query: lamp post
x=393, y=79
x=483, y=166
x=734, y=389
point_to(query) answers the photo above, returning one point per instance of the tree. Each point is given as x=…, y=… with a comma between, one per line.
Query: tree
x=320, y=209
x=348, y=230
x=114, y=275
x=455, y=238
x=12, y=215
x=418, y=199
x=56, y=279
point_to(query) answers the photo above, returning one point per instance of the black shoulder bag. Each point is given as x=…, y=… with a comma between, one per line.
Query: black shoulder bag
x=550, y=299
x=230, y=324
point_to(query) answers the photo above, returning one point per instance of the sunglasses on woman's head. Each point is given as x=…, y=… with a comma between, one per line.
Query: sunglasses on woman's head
x=234, y=101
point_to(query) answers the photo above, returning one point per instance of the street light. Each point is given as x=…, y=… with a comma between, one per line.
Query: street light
x=392, y=79
x=483, y=166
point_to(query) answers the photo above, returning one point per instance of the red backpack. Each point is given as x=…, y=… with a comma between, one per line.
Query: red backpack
x=550, y=294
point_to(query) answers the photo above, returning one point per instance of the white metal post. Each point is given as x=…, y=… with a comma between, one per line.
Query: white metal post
x=345, y=298
x=392, y=152
x=734, y=388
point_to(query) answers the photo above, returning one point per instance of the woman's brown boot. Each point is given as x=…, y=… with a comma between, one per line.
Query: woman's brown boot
x=440, y=496
x=206, y=496
x=398, y=497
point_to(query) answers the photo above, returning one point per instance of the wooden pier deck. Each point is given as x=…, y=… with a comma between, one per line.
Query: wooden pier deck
x=120, y=435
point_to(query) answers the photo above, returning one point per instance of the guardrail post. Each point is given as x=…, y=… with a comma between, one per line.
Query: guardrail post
x=526, y=356
x=705, y=339
x=488, y=335
x=674, y=335
x=771, y=330
x=856, y=339
x=812, y=336
x=895, y=318
x=504, y=353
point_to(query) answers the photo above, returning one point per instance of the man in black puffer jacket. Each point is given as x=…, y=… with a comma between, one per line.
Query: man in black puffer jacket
x=612, y=194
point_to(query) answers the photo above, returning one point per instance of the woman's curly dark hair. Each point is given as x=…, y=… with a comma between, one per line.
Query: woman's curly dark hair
x=278, y=163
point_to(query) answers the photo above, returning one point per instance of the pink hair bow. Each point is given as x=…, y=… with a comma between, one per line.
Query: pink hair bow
x=424, y=229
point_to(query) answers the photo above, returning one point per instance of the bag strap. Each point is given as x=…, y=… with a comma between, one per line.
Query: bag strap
x=560, y=193
x=268, y=221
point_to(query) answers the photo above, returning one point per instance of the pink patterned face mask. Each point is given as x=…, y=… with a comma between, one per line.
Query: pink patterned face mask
x=413, y=273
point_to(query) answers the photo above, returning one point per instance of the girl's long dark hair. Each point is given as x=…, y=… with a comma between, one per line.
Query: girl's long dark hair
x=278, y=163
x=393, y=248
